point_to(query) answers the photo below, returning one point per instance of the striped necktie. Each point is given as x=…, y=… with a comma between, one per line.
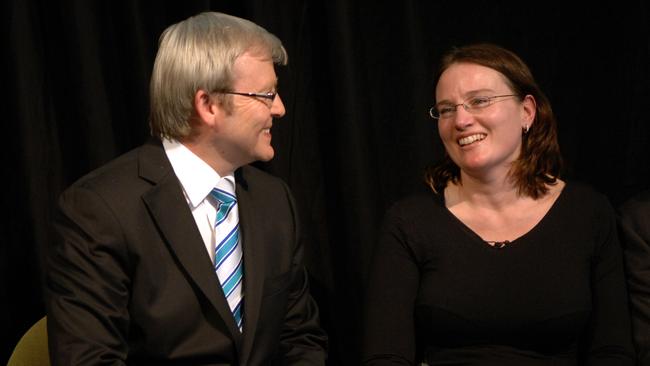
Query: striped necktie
x=228, y=259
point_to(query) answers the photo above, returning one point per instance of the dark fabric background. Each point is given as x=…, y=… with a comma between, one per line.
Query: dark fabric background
x=356, y=135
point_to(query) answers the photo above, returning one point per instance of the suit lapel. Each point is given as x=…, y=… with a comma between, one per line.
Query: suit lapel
x=170, y=212
x=253, y=262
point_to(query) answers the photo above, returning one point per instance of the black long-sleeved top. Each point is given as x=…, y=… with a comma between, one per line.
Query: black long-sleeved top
x=555, y=296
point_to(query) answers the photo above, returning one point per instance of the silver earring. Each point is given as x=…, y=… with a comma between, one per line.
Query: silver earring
x=525, y=129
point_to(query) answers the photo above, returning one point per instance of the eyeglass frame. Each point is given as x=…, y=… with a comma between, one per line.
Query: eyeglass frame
x=468, y=108
x=268, y=95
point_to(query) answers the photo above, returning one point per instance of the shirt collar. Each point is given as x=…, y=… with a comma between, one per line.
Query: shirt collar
x=196, y=176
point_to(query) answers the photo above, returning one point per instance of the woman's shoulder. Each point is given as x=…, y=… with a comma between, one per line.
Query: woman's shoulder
x=584, y=201
x=415, y=206
x=579, y=191
x=417, y=200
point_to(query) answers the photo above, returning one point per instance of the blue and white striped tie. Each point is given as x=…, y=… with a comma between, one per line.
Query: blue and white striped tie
x=228, y=259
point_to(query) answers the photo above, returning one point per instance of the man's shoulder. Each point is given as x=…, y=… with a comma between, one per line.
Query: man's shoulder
x=249, y=175
x=125, y=168
x=637, y=206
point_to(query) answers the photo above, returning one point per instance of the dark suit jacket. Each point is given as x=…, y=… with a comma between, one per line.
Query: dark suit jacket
x=635, y=236
x=129, y=280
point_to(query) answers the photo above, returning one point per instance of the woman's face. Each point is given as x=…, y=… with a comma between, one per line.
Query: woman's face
x=487, y=139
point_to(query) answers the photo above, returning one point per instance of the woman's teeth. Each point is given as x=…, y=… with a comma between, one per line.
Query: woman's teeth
x=469, y=139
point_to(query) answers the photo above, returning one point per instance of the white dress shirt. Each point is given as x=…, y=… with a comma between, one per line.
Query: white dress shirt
x=197, y=180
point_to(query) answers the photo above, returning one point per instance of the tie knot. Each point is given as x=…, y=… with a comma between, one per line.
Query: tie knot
x=223, y=196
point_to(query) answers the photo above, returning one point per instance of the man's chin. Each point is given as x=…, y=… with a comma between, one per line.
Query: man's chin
x=266, y=155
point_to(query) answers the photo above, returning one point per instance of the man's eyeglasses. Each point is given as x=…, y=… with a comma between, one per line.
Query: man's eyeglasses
x=472, y=105
x=268, y=96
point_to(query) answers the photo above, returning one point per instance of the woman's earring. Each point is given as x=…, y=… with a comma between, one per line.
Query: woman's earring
x=525, y=129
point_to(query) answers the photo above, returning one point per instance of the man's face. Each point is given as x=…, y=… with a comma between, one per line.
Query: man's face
x=245, y=134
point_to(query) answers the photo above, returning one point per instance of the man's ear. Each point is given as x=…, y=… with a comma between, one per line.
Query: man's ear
x=207, y=108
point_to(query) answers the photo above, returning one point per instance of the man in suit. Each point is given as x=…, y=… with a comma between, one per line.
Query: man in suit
x=634, y=224
x=178, y=252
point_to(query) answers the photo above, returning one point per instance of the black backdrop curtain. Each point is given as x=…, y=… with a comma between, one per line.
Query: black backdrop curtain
x=356, y=135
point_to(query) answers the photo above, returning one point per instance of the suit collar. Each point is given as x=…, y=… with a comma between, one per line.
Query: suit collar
x=253, y=263
x=169, y=210
x=196, y=176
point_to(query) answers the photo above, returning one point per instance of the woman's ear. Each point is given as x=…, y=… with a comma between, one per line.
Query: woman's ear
x=528, y=112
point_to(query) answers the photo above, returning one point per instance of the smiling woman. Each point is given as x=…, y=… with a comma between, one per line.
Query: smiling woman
x=501, y=262
x=486, y=138
x=492, y=70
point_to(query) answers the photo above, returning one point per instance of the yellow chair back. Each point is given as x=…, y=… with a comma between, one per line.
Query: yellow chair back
x=31, y=349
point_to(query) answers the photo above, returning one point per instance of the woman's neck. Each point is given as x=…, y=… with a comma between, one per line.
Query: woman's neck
x=492, y=192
